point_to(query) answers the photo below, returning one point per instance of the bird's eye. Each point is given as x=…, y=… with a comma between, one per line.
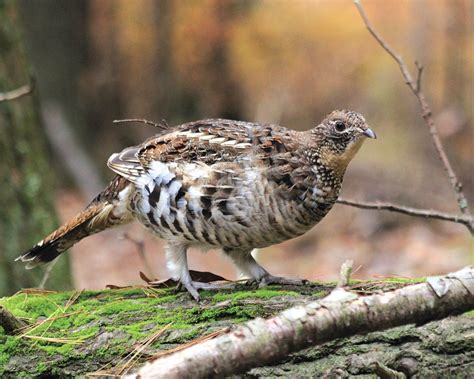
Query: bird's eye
x=340, y=126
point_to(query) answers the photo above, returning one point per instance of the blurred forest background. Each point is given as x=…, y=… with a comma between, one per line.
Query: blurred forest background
x=285, y=62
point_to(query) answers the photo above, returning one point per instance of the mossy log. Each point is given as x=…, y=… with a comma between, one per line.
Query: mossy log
x=114, y=331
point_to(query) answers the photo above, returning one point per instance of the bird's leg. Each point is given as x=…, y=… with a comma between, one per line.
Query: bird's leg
x=248, y=267
x=177, y=263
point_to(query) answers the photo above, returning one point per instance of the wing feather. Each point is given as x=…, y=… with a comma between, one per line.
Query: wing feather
x=205, y=142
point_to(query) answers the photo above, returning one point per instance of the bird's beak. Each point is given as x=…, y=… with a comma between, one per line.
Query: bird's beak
x=369, y=133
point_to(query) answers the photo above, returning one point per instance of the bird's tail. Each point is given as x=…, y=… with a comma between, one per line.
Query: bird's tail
x=104, y=212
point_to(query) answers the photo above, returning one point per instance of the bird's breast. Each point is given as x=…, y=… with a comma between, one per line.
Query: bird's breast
x=223, y=206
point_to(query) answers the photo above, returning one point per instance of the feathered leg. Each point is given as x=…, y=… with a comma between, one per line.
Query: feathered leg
x=177, y=263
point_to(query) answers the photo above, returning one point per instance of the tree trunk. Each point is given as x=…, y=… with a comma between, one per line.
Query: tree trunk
x=112, y=332
x=26, y=204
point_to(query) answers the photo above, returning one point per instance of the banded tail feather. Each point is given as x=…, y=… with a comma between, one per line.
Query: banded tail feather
x=105, y=211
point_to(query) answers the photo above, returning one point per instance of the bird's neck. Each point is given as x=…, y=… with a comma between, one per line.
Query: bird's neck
x=327, y=183
x=339, y=162
x=318, y=186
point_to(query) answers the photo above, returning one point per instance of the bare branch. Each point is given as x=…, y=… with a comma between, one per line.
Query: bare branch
x=419, y=74
x=46, y=274
x=161, y=125
x=17, y=93
x=140, y=245
x=9, y=323
x=263, y=342
x=465, y=220
x=415, y=87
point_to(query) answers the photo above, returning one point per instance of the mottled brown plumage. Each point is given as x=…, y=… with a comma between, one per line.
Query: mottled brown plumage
x=221, y=184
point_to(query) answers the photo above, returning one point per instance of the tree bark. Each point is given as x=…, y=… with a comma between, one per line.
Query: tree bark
x=10, y=323
x=113, y=332
x=265, y=342
x=26, y=203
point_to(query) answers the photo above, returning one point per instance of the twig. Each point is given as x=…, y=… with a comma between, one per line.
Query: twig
x=384, y=372
x=161, y=125
x=345, y=273
x=140, y=245
x=465, y=220
x=419, y=74
x=46, y=274
x=415, y=87
x=17, y=93
x=9, y=323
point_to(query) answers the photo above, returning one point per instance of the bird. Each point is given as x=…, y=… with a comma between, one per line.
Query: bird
x=216, y=183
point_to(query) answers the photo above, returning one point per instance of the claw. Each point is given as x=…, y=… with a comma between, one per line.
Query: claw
x=252, y=283
x=192, y=287
x=192, y=290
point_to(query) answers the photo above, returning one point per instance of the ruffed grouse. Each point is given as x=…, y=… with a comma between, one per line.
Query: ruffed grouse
x=220, y=184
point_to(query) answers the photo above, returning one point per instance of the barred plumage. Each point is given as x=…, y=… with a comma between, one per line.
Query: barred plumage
x=220, y=183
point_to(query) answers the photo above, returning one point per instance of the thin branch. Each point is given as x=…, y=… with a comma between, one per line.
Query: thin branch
x=419, y=74
x=465, y=220
x=17, y=93
x=9, y=323
x=140, y=245
x=46, y=274
x=161, y=125
x=415, y=87
x=262, y=342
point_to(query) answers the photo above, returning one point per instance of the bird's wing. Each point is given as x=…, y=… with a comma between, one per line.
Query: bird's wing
x=201, y=143
x=211, y=168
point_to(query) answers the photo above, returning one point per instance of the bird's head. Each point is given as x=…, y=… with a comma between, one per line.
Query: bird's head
x=338, y=138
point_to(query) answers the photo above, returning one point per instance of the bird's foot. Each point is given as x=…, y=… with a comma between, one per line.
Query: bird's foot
x=270, y=279
x=193, y=287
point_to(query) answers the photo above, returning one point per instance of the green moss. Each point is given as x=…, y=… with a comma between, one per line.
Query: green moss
x=399, y=280
x=63, y=349
x=41, y=367
x=257, y=294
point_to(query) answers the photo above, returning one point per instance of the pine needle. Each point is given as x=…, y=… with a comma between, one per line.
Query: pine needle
x=209, y=336
x=56, y=340
x=124, y=365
